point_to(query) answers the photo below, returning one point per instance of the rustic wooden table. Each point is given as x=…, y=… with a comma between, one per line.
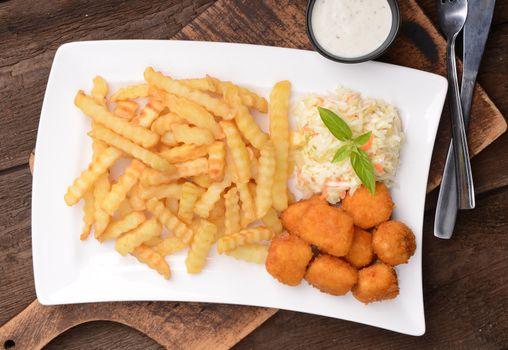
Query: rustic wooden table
x=465, y=279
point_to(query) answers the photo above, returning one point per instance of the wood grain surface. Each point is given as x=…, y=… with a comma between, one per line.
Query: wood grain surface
x=465, y=284
x=173, y=325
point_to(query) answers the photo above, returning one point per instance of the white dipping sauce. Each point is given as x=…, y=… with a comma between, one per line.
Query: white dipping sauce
x=351, y=28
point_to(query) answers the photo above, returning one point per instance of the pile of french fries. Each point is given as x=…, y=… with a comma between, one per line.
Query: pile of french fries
x=201, y=172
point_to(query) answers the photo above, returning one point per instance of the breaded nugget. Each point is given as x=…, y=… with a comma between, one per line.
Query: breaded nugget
x=288, y=258
x=329, y=228
x=375, y=283
x=393, y=242
x=331, y=275
x=293, y=214
x=361, y=253
x=369, y=210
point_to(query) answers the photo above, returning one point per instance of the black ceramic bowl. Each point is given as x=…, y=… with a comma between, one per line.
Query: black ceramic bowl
x=394, y=7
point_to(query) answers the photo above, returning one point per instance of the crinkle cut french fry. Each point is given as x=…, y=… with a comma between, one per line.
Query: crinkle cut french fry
x=135, y=199
x=220, y=223
x=163, y=124
x=172, y=190
x=151, y=177
x=99, y=90
x=248, y=213
x=244, y=120
x=200, y=247
x=149, y=113
x=232, y=217
x=253, y=253
x=212, y=195
x=189, y=196
x=97, y=146
x=248, y=204
x=168, y=139
x=194, y=114
x=279, y=133
x=218, y=210
x=249, y=98
x=239, y=152
x=216, y=160
x=123, y=225
x=184, y=153
x=231, y=166
x=87, y=178
x=153, y=242
x=148, y=256
x=120, y=189
x=101, y=218
x=202, y=84
x=192, y=167
x=214, y=105
x=252, y=188
x=271, y=220
x=134, y=238
x=149, y=158
x=192, y=135
x=265, y=180
x=169, y=220
x=126, y=109
x=202, y=180
x=250, y=235
x=124, y=209
x=254, y=163
x=88, y=214
x=173, y=204
x=102, y=115
x=130, y=92
x=170, y=245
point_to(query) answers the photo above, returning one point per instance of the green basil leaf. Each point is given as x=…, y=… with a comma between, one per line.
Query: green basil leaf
x=335, y=124
x=342, y=153
x=362, y=139
x=364, y=169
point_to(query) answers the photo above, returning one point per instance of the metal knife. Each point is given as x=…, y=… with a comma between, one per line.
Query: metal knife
x=476, y=31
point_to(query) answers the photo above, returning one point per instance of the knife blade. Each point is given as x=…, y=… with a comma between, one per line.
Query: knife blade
x=476, y=32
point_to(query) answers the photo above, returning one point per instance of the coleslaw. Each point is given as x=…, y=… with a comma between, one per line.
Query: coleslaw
x=314, y=170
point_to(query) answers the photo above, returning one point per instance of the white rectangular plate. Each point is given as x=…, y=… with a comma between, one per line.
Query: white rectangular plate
x=70, y=271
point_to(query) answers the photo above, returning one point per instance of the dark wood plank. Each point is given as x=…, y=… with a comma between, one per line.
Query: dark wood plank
x=494, y=70
x=490, y=172
x=419, y=45
x=171, y=324
x=500, y=13
x=31, y=31
x=103, y=335
x=465, y=291
x=16, y=274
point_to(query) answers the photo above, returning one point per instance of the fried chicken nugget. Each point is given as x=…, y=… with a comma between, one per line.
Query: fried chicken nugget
x=369, y=210
x=375, y=283
x=330, y=229
x=361, y=253
x=393, y=242
x=293, y=214
x=331, y=275
x=288, y=258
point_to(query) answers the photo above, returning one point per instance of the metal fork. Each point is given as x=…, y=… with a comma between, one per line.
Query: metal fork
x=452, y=16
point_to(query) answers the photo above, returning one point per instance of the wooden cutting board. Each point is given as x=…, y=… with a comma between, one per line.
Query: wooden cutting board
x=218, y=326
